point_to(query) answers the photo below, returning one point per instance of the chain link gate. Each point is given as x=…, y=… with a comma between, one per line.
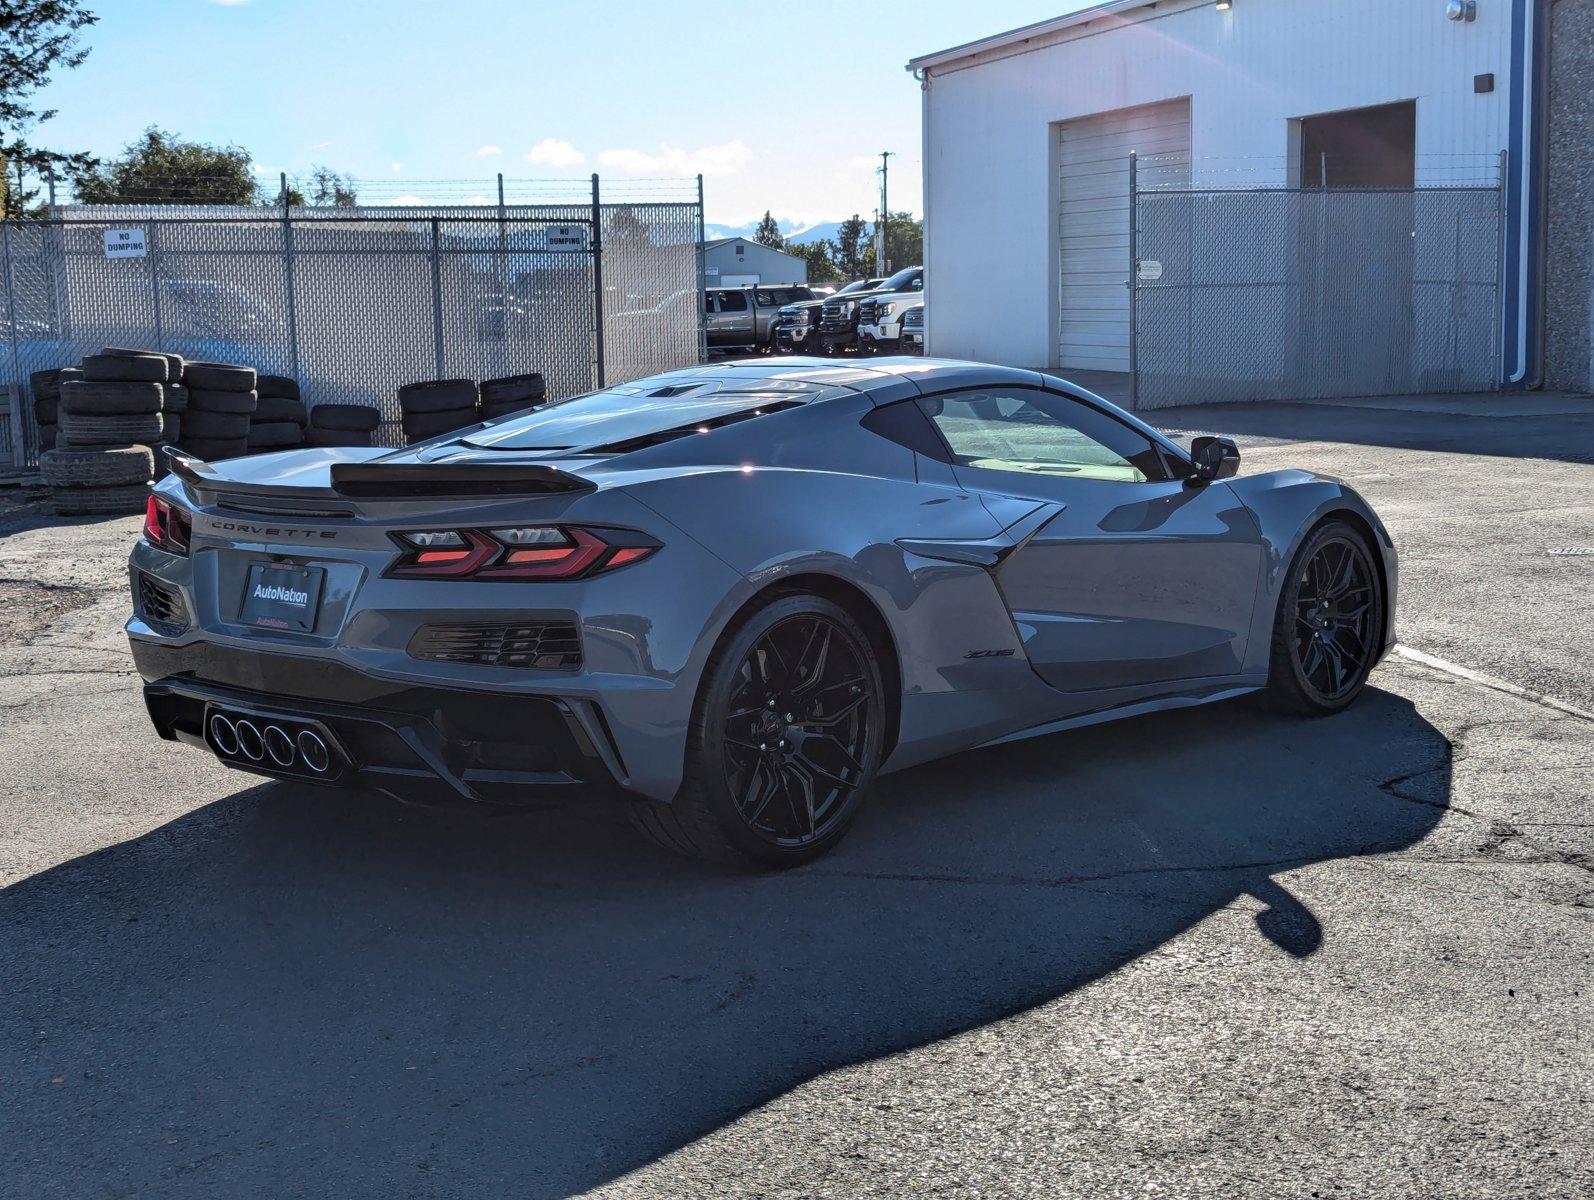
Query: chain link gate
x=354, y=303
x=1285, y=294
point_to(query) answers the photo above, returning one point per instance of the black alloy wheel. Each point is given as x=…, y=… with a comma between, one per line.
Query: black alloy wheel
x=787, y=734
x=796, y=736
x=1330, y=623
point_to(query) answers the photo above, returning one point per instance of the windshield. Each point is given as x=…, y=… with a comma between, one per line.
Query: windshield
x=903, y=280
x=858, y=285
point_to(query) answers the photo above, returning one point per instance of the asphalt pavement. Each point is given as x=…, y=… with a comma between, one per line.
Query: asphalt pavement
x=1211, y=953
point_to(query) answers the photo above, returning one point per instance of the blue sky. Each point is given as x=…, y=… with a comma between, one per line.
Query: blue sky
x=404, y=92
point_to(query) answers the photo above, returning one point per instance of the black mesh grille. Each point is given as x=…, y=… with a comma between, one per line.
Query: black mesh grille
x=161, y=605
x=543, y=646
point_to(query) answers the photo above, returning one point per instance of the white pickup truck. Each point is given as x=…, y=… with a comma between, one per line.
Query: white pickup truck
x=880, y=315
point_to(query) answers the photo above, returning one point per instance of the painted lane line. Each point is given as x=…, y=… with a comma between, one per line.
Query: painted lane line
x=1489, y=681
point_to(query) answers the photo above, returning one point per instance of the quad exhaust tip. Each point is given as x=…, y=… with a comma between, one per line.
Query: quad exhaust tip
x=313, y=750
x=243, y=738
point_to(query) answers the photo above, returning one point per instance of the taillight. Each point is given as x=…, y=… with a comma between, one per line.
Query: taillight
x=521, y=552
x=167, y=527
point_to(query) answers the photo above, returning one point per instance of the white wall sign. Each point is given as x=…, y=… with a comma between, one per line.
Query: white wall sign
x=125, y=243
x=1150, y=270
x=567, y=237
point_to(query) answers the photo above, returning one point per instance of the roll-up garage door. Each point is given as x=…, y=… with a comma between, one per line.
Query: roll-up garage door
x=1093, y=221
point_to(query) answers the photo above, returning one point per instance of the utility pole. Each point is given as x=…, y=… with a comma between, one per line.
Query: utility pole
x=882, y=267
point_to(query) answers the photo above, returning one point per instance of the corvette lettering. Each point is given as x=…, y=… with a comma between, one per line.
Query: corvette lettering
x=271, y=531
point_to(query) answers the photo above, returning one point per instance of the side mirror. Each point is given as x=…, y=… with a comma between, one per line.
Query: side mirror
x=1214, y=458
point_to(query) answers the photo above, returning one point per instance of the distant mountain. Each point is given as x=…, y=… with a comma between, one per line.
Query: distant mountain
x=799, y=234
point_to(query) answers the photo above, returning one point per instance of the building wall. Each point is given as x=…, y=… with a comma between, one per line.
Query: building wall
x=989, y=128
x=1569, y=250
x=770, y=265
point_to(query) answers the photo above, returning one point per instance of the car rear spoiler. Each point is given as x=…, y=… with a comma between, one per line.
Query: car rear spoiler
x=398, y=481
x=404, y=481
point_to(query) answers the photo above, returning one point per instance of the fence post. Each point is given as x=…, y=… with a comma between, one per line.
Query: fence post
x=1499, y=271
x=1134, y=276
x=19, y=450
x=153, y=258
x=502, y=272
x=287, y=280
x=597, y=278
x=437, y=298
x=702, y=280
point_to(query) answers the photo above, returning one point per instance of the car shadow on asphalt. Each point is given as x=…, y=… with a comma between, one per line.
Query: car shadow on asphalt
x=300, y=991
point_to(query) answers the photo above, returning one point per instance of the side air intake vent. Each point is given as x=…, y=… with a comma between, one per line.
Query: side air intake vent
x=552, y=646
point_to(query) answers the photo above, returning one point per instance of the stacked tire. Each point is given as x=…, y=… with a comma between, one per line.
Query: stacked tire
x=46, y=389
x=108, y=420
x=221, y=407
x=279, y=420
x=342, y=425
x=436, y=407
x=500, y=397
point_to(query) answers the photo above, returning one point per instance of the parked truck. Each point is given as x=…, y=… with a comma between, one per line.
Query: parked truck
x=743, y=318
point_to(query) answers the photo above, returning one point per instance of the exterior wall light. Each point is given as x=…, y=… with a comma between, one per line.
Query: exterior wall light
x=1224, y=5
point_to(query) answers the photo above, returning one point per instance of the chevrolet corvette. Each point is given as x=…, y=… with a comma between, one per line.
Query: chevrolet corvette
x=731, y=596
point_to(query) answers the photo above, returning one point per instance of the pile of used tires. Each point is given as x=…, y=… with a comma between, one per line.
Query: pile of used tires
x=342, y=425
x=111, y=418
x=440, y=406
x=280, y=418
x=221, y=408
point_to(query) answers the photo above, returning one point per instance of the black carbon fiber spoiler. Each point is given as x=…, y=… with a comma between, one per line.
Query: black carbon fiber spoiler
x=378, y=480
x=405, y=481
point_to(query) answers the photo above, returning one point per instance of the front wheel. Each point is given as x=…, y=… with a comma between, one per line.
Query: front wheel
x=1330, y=623
x=786, y=737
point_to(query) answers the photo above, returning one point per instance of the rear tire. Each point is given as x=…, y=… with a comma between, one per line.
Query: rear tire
x=1329, y=627
x=760, y=790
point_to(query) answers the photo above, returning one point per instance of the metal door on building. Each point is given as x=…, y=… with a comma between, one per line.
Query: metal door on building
x=1092, y=217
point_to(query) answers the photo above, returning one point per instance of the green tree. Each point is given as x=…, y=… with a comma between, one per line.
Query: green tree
x=904, y=245
x=328, y=189
x=821, y=267
x=768, y=233
x=851, y=248
x=161, y=168
x=36, y=38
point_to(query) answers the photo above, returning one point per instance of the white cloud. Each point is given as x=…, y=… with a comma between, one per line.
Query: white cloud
x=320, y=145
x=726, y=158
x=230, y=3
x=488, y=151
x=259, y=170
x=397, y=167
x=477, y=200
x=555, y=152
x=406, y=200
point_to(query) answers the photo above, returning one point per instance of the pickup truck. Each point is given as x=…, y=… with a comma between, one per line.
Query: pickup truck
x=797, y=325
x=913, y=331
x=743, y=318
x=880, y=314
x=840, y=316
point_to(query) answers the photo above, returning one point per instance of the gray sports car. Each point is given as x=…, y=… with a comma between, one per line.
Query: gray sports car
x=732, y=595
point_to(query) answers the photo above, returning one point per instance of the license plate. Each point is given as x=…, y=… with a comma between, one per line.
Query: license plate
x=913, y=339
x=279, y=597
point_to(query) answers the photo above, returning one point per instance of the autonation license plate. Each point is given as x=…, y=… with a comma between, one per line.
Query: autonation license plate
x=280, y=597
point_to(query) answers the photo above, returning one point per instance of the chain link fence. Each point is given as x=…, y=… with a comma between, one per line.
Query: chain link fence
x=354, y=302
x=1275, y=294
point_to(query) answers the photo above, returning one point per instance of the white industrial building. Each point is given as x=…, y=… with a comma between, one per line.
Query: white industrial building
x=1028, y=138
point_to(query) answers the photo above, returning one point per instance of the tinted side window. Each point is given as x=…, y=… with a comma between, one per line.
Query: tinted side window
x=733, y=302
x=708, y=303
x=1031, y=432
x=765, y=297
